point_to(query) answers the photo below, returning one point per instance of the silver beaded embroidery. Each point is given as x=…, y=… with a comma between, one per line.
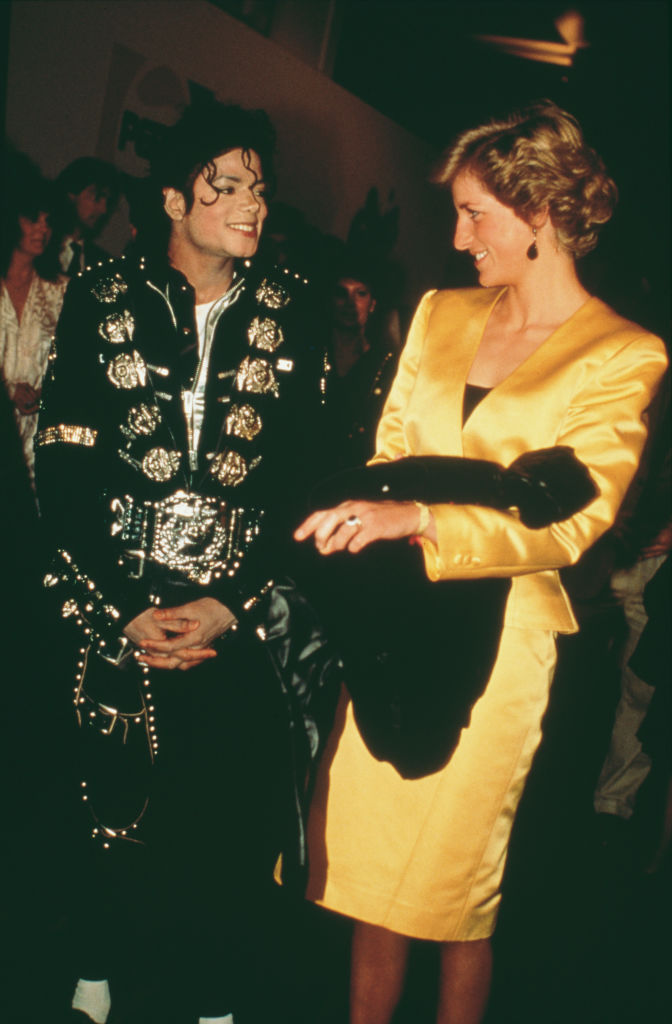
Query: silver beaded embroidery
x=143, y=419
x=127, y=370
x=272, y=295
x=160, y=465
x=256, y=376
x=108, y=289
x=230, y=468
x=243, y=421
x=117, y=328
x=265, y=334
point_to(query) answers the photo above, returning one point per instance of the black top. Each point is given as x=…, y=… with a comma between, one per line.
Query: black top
x=473, y=394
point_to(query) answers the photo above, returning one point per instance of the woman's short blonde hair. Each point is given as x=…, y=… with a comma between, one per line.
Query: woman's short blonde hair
x=535, y=159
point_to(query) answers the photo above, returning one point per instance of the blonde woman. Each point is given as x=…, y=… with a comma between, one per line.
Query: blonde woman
x=529, y=360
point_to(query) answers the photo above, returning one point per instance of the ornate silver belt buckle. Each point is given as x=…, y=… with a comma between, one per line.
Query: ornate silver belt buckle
x=190, y=533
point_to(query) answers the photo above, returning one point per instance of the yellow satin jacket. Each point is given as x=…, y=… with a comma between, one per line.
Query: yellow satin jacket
x=587, y=386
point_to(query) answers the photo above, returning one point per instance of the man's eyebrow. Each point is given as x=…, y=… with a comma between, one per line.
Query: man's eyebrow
x=235, y=178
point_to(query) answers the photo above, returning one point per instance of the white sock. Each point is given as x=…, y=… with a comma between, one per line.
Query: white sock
x=217, y=1020
x=93, y=997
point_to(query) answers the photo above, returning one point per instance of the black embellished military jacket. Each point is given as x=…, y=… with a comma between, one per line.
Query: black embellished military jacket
x=158, y=466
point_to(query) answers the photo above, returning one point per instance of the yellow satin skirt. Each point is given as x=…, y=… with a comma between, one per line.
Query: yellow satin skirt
x=425, y=857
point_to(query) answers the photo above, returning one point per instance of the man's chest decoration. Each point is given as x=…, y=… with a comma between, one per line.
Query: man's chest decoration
x=243, y=380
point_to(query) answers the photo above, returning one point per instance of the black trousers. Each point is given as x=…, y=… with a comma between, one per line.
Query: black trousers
x=218, y=805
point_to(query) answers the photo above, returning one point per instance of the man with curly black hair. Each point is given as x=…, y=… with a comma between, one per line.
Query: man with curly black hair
x=176, y=442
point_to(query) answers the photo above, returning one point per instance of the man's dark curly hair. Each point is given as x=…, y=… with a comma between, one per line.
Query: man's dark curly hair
x=204, y=132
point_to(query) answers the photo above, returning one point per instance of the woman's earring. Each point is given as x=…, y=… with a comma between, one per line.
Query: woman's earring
x=533, y=252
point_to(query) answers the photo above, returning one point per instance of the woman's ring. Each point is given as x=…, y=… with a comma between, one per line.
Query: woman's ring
x=353, y=521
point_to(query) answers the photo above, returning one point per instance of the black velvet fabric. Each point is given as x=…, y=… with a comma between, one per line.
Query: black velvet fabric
x=418, y=654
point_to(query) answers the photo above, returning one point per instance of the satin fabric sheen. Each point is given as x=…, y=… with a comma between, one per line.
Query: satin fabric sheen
x=425, y=857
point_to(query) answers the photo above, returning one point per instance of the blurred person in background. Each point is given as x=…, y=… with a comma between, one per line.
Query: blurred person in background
x=89, y=190
x=31, y=296
x=362, y=361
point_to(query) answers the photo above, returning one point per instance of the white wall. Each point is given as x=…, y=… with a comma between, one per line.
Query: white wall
x=75, y=66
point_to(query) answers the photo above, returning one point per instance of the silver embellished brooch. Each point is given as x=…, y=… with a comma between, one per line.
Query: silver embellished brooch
x=143, y=419
x=272, y=295
x=229, y=468
x=265, y=333
x=256, y=376
x=243, y=421
x=108, y=289
x=159, y=464
x=117, y=328
x=127, y=370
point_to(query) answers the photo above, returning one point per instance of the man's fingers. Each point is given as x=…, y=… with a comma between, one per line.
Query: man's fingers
x=196, y=654
x=167, y=645
x=155, y=636
x=156, y=660
x=189, y=657
x=204, y=654
x=177, y=612
x=176, y=625
x=168, y=616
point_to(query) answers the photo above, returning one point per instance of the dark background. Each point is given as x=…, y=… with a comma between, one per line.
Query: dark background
x=420, y=65
x=583, y=936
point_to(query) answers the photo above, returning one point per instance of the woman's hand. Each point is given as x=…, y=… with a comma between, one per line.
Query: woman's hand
x=179, y=637
x=354, y=524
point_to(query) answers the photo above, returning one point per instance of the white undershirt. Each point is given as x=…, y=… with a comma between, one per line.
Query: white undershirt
x=67, y=252
x=201, y=317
